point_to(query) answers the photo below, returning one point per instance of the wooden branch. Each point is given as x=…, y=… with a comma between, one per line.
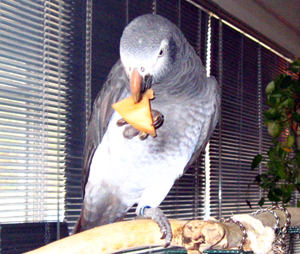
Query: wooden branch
x=111, y=238
x=196, y=235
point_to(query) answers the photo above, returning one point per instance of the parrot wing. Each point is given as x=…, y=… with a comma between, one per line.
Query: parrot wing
x=212, y=121
x=114, y=89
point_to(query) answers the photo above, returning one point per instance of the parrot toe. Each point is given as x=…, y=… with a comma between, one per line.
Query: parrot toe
x=121, y=122
x=130, y=132
x=158, y=118
x=143, y=135
x=158, y=216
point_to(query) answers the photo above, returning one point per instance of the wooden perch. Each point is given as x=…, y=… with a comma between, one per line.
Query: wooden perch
x=195, y=235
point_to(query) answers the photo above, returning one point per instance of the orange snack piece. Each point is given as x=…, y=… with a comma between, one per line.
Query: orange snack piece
x=137, y=115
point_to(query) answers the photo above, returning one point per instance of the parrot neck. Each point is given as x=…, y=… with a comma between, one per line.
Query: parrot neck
x=191, y=80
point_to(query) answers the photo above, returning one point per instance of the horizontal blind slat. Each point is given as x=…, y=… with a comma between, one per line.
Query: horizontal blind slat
x=35, y=58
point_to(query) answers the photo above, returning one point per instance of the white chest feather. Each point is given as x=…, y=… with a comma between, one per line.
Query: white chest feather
x=135, y=163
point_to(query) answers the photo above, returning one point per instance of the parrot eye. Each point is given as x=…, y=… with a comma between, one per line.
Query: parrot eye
x=161, y=53
x=142, y=69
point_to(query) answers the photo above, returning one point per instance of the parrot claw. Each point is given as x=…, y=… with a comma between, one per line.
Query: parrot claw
x=158, y=118
x=121, y=122
x=158, y=216
x=143, y=135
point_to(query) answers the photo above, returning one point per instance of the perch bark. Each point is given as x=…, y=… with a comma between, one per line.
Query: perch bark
x=196, y=236
x=111, y=238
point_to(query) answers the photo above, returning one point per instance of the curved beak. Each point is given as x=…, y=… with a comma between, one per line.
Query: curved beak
x=136, y=82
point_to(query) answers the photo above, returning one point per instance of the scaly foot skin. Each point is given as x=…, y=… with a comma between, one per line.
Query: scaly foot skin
x=158, y=216
x=158, y=118
x=121, y=122
x=130, y=132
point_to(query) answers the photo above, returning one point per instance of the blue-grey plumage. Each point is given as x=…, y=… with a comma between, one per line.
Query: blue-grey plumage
x=119, y=172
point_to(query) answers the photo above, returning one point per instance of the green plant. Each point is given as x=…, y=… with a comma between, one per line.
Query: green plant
x=282, y=119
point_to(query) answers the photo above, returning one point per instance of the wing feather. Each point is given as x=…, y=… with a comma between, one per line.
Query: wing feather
x=216, y=99
x=114, y=89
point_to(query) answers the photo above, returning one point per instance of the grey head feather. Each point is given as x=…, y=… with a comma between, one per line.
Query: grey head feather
x=145, y=38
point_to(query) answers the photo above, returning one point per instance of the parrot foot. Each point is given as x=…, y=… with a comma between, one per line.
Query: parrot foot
x=130, y=132
x=158, y=216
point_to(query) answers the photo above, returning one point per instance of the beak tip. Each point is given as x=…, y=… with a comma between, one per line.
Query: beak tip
x=136, y=98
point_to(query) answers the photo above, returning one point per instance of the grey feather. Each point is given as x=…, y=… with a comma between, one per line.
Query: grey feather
x=212, y=120
x=114, y=89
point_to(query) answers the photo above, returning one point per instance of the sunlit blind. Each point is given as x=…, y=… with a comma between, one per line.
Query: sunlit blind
x=35, y=60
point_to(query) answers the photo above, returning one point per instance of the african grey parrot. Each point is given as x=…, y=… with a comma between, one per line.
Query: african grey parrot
x=121, y=169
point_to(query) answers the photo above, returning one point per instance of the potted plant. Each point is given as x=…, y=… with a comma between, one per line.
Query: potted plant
x=282, y=175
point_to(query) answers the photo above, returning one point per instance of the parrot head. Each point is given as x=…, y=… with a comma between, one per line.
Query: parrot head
x=148, y=51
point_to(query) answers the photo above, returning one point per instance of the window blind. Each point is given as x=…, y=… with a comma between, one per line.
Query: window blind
x=36, y=92
x=47, y=87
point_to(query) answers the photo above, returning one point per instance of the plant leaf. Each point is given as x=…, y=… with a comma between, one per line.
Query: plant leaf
x=286, y=198
x=274, y=129
x=287, y=191
x=272, y=114
x=270, y=87
x=274, y=99
x=286, y=103
x=256, y=161
x=249, y=204
x=280, y=152
x=261, y=202
x=296, y=117
x=294, y=66
x=285, y=82
x=298, y=159
x=274, y=195
x=290, y=140
x=258, y=179
x=281, y=171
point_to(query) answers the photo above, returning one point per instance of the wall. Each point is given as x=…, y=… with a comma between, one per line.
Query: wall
x=278, y=20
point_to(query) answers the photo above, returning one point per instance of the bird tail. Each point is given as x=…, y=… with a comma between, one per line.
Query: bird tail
x=93, y=215
x=77, y=228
